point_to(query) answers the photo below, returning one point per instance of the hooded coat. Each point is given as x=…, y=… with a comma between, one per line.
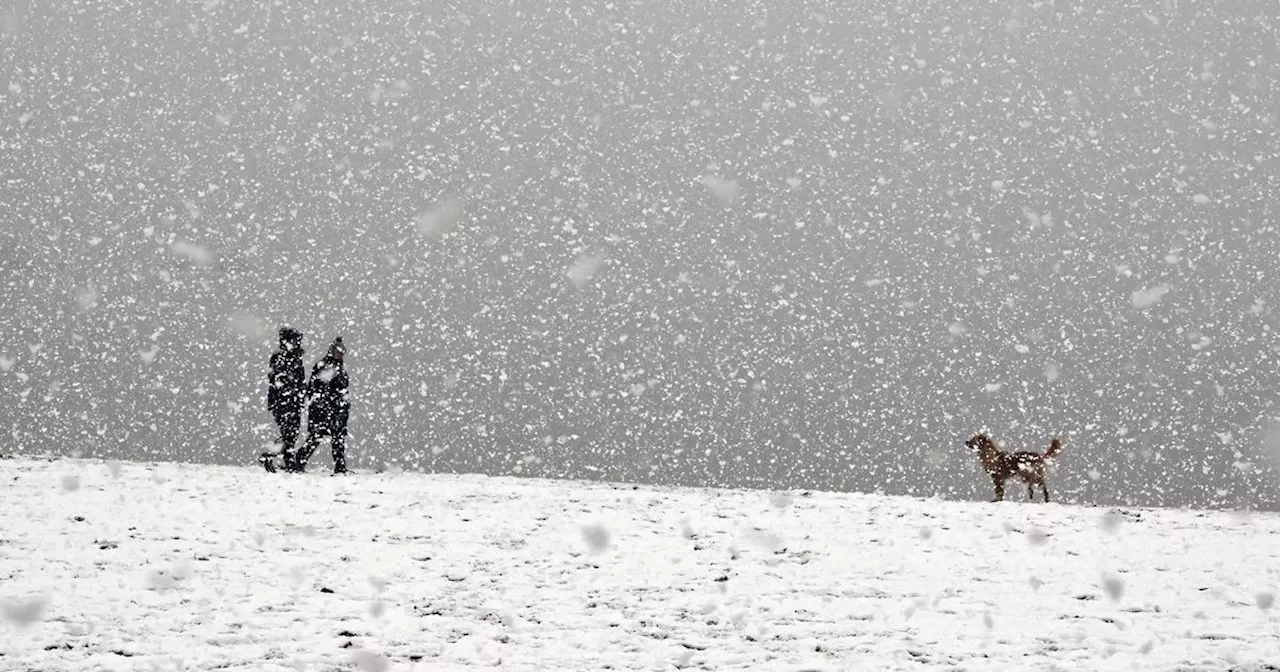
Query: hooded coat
x=327, y=393
x=287, y=378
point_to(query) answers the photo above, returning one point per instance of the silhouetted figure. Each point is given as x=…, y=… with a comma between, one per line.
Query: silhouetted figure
x=327, y=410
x=286, y=383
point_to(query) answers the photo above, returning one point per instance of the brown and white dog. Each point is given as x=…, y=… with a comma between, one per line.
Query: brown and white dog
x=1002, y=466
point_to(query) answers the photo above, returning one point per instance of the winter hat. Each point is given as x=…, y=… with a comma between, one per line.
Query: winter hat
x=290, y=335
x=337, y=349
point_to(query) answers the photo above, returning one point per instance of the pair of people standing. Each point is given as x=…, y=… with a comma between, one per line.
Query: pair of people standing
x=325, y=397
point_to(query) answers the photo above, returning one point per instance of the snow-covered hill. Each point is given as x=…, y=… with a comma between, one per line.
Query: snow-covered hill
x=168, y=566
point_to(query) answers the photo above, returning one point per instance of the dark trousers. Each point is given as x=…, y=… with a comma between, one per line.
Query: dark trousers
x=289, y=424
x=337, y=435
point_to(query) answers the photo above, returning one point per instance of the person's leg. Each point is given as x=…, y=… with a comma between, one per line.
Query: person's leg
x=289, y=432
x=268, y=458
x=290, y=424
x=280, y=429
x=339, y=447
x=313, y=441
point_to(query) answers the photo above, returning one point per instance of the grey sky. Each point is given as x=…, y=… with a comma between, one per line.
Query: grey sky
x=830, y=240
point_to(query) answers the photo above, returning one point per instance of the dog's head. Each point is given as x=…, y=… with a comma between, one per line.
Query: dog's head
x=979, y=442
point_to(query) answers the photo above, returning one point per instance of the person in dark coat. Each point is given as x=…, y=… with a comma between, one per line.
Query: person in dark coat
x=285, y=390
x=328, y=408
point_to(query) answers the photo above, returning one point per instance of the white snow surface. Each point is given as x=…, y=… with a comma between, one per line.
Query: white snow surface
x=173, y=566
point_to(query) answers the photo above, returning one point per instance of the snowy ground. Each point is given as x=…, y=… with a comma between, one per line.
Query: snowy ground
x=167, y=566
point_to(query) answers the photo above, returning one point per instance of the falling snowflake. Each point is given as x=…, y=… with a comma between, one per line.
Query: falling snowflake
x=24, y=611
x=197, y=254
x=724, y=190
x=148, y=356
x=584, y=269
x=1149, y=297
x=252, y=327
x=780, y=499
x=1114, y=586
x=439, y=220
x=596, y=536
x=370, y=661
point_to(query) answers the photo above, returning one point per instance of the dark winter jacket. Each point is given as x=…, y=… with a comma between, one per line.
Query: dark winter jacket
x=327, y=395
x=286, y=382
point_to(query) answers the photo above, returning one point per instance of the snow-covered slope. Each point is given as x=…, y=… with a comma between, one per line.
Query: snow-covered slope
x=168, y=566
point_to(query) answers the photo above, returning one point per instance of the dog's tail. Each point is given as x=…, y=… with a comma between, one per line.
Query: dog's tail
x=1055, y=448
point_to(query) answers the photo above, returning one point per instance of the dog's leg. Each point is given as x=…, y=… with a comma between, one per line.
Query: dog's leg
x=999, y=483
x=1045, y=486
x=1031, y=492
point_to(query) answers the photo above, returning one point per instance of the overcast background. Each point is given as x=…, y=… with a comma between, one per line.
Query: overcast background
x=765, y=244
